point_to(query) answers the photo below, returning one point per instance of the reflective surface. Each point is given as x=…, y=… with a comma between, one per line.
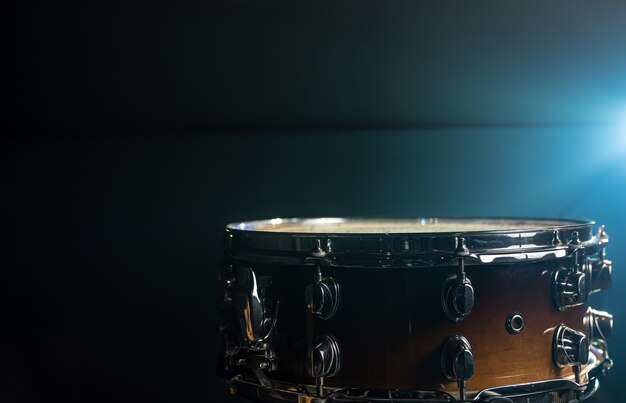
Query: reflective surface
x=534, y=240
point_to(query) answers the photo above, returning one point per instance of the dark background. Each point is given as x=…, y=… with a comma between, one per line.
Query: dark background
x=135, y=131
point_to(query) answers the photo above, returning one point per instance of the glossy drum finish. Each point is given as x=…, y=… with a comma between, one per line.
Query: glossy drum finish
x=392, y=329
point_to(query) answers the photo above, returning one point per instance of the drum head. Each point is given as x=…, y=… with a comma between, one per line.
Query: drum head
x=336, y=225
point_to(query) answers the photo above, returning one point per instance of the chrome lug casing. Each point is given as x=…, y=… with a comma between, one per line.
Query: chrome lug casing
x=569, y=347
x=569, y=288
x=599, y=269
x=599, y=324
x=457, y=298
x=323, y=298
x=324, y=357
x=457, y=359
x=457, y=293
x=599, y=273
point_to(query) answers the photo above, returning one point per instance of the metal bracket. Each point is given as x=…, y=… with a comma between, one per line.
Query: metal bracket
x=457, y=292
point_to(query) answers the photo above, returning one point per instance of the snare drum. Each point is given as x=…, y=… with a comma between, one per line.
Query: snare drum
x=334, y=309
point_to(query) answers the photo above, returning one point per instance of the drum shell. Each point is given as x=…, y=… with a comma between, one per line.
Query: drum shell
x=391, y=326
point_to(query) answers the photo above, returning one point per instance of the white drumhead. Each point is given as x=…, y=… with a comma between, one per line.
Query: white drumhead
x=396, y=226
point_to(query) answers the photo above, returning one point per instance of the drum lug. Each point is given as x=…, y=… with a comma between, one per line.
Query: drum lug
x=570, y=285
x=599, y=274
x=457, y=361
x=599, y=324
x=323, y=359
x=569, y=288
x=457, y=292
x=323, y=296
x=599, y=270
x=570, y=348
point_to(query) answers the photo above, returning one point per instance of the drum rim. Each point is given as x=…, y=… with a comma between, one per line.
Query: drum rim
x=592, y=371
x=413, y=249
x=566, y=224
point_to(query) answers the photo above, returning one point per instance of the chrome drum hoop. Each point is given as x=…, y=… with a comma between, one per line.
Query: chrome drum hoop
x=548, y=391
x=555, y=390
x=550, y=240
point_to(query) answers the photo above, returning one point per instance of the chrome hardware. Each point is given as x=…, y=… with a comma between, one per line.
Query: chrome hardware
x=602, y=237
x=457, y=298
x=570, y=285
x=323, y=360
x=536, y=240
x=569, y=288
x=574, y=242
x=457, y=361
x=317, y=249
x=461, y=247
x=324, y=357
x=607, y=362
x=323, y=298
x=329, y=246
x=514, y=323
x=570, y=347
x=557, y=390
x=250, y=305
x=599, y=274
x=599, y=270
x=266, y=360
x=599, y=323
x=457, y=293
x=556, y=239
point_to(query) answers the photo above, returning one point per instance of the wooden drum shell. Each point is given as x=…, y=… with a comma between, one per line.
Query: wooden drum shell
x=391, y=326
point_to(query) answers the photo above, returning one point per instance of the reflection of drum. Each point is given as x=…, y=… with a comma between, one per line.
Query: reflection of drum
x=425, y=310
